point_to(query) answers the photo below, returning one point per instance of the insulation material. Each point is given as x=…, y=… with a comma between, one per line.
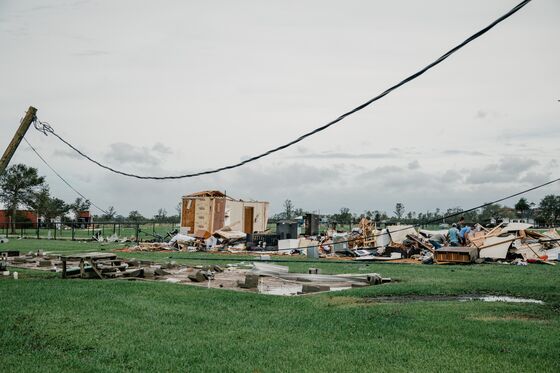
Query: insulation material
x=496, y=247
x=229, y=234
x=202, y=214
x=398, y=233
x=429, y=233
x=382, y=238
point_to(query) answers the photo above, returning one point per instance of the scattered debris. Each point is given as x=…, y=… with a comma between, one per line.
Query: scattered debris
x=258, y=277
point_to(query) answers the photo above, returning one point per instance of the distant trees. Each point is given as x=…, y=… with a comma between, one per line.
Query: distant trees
x=288, y=208
x=18, y=187
x=80, y=205
x=289, y=212
x=179, y=208
x=161, y=215
x=110, y=214
x=549, y=210
x=522, y=207
x=343, y=217
x=48, y=207
x=399, y=210
x=135, y=216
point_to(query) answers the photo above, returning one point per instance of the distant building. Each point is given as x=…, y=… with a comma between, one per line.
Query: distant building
x=84, y=219
x=26, y=217
x=212, y=210
x=515, y=220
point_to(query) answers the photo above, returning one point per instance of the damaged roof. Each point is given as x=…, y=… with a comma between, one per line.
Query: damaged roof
x=206, y=193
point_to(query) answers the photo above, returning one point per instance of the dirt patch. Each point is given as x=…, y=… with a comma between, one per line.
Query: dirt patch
x=412, y=298
x=343, y=302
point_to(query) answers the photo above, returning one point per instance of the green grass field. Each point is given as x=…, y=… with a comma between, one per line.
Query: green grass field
x=50, y=324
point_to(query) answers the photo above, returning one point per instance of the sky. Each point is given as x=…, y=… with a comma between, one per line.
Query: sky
x=171, y=87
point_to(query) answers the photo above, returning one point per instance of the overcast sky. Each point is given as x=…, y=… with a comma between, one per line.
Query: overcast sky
x=169, y=87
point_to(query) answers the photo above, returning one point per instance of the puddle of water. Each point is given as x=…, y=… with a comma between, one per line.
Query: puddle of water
x=447, y=298
x=496, y=298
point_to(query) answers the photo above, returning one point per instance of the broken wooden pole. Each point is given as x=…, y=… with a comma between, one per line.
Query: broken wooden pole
x=18, y=136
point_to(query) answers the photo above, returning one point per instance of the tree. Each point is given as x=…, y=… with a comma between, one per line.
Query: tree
x=135, y=216
x=522, y=207
x=18, y=185
x=288, y=208
x=549, y=209
x=344, y=216
x=55, y=208
x=80, y=205
x=493, y=211
x=48, y=207
x=161, y=215
x=298, y=212
x=110, y=214
x=40, y=201
x=399, y=210
x=179, y=208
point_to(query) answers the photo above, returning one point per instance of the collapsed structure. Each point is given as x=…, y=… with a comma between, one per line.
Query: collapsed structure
x=263, y=278
x=212, y=210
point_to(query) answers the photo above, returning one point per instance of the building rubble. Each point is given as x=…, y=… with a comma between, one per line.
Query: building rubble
x=507, y=242
x=263, y=278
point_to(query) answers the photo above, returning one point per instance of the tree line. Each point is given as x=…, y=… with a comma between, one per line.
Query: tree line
x=22, y=187
x=546, y=213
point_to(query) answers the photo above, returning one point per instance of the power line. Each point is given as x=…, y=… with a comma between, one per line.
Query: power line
x=63, y=179
x=45, y=128
x=417, y=225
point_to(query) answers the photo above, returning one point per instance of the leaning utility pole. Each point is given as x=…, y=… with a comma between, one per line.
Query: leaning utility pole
x=11, y=149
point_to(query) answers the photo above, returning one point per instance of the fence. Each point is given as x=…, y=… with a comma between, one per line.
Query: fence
x=135, y=231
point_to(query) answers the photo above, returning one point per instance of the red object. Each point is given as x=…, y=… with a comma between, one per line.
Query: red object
x=5, y=217
x=84, y=214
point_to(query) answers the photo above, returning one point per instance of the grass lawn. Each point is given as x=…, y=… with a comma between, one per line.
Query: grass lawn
x=50, y=324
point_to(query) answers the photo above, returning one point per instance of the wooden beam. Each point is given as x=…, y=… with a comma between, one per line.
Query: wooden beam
x=18, y=136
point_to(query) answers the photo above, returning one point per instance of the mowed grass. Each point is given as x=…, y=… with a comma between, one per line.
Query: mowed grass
x=50, y=324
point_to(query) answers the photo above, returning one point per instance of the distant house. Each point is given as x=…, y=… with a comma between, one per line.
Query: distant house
x=516, y=220
x=84, y=218
x=212, y=210
x=27, y=218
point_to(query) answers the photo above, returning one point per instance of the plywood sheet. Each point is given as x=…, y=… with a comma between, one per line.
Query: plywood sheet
x=398, y=232
x=496, y=247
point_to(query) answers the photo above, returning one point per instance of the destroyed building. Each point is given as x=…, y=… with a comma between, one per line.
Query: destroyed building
x=212, y=210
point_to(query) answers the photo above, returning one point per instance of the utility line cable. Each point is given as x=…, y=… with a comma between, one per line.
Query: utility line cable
x=63, y=179
x=45, y=128
x=417, y=225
